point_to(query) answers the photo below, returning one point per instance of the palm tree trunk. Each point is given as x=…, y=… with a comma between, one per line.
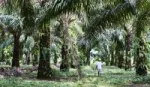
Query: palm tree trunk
x=2, y=51
x=35, y=60
x=28, y=58
x=108, y=56
x=16, y=50
x=128, y=60
x=65, y=62
x=141, y=68
x=75, y=59
x=35, y=53
x=112, y=58
x=2, y=57
x=64, y=51
x=78, y=67
x=107, y=61
x=116, y=57
x=120, y=60
x=72, y=62
x=128, y=54
x=44, y=70
x=88, y=57
x=55, y=57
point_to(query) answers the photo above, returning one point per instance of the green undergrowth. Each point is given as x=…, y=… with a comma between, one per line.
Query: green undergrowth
x=111, y=77
x=19, y=82
x=71, y=73
x=85, y=82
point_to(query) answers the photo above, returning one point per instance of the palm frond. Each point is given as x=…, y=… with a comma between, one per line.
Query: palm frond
x=11, y=6
x=27, y=12
x=87, y=42
x=24, y=9
x=111, y=3
x=11, y=23
x=29, y=44
x=63, y=6
x=2, y=26
x=142, y=5
x=110, y=18
x=6, y=42
x=56, y=39
x=142, y=22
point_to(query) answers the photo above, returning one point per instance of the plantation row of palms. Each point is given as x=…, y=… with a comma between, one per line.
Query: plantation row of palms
x=72, y=28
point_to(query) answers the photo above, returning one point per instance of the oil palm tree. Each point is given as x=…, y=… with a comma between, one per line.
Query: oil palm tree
x=106, y=16
x=118, y=38
x=25, y=10
x=17, y=25
x=128, y=47
x=54, y=9
x=111, y=16
x=14, y=27
x=119, y=16
x=141, y=26
x=65, y=21
x=66, y=32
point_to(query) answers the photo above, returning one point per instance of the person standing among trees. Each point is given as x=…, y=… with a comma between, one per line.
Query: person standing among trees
x=99, y=66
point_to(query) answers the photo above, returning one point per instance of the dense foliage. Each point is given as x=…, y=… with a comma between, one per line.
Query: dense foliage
x=54, y=36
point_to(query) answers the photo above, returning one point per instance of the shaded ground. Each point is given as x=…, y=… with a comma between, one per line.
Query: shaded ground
x=111, y=77
x=138, y=85
x=31, y=72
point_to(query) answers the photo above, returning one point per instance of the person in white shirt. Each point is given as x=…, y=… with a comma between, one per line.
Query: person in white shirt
x=99, y=67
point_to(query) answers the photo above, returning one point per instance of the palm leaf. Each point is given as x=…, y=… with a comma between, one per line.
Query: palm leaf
x=110, y=18
x=24, y=9
x=142, y=22
x=63, y=6
x=27, y=12
x=6, y=42
x=11, y=23
x=142, y=5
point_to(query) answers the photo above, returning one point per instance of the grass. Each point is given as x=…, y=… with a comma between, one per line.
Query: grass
x=19, y=82
x=111, y=77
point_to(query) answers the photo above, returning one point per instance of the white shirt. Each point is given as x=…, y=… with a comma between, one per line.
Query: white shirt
x=99, y=65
